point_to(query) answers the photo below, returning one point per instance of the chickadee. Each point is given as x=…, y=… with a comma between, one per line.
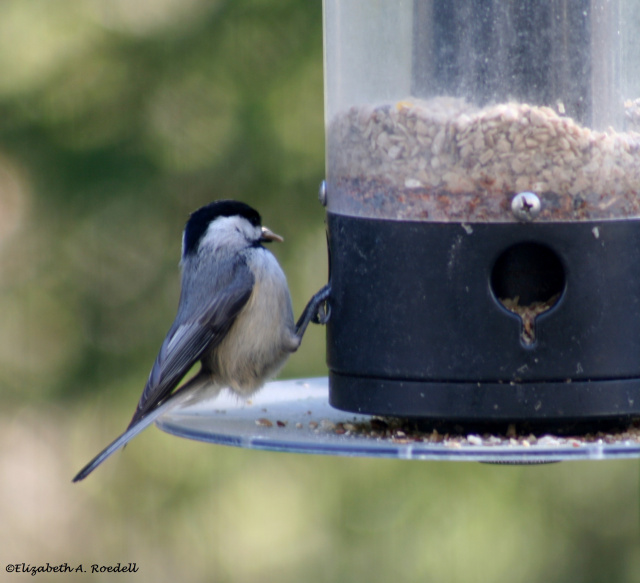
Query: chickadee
x=234, y=316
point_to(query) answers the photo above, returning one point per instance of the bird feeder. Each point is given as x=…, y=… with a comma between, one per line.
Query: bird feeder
x=483, y=202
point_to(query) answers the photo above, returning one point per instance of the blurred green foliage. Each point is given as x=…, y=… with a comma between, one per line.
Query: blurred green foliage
x=117, y=119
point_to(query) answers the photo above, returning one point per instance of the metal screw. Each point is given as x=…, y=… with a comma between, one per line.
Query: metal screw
x=525, y=206
x=322, y=193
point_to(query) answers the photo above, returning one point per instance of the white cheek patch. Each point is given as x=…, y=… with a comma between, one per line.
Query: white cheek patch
x=230, y=232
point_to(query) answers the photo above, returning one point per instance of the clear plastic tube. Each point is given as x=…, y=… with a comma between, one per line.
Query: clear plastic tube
x=444, y=111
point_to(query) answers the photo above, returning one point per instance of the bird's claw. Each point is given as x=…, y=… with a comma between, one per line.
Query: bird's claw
x=317, y=311
x=322, y=311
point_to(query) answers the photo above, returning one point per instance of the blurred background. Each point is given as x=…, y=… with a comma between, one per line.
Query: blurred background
x=117, y=119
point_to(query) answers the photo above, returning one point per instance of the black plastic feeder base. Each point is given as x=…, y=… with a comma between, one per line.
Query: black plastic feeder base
x=462, y=407
x=420, y=326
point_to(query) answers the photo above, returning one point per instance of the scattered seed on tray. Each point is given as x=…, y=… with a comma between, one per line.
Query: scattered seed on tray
x=400, y=431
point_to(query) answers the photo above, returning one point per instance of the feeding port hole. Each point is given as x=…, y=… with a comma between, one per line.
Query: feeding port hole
x=528, y=279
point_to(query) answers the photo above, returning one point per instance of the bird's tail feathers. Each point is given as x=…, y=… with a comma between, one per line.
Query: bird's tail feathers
x=174, y=400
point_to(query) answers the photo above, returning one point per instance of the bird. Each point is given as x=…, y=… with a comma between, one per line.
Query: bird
x=234, y=316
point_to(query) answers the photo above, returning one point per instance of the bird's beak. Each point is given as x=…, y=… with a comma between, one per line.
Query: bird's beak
x=268, y=236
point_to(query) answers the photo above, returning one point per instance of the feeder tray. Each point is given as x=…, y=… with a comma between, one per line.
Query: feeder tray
x=295, y=417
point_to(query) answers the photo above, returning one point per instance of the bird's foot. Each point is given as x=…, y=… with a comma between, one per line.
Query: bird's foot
x=317, y=311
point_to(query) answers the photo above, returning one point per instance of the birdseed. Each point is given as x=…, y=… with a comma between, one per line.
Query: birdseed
x=446, y=160
x=404, y=431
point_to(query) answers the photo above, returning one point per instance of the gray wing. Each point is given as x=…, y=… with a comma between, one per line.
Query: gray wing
x=186, y=342
x=205, y=315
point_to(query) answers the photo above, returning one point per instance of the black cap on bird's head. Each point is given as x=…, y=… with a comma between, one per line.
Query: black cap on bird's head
x=200, y=220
